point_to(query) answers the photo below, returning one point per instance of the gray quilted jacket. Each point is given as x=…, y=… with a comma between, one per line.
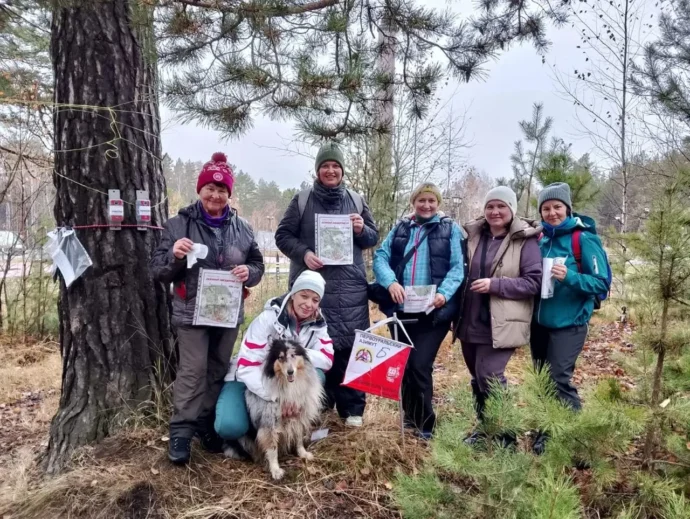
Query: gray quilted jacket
x=237, y=247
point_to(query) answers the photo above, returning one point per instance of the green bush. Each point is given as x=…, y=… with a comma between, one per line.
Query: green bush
x=489, y=481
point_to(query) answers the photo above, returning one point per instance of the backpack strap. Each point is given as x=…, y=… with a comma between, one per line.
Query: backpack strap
x=357, y=200
x=577, y=248
x=303, y=198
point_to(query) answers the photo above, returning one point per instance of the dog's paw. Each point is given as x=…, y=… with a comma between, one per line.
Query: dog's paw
x=231, y=453
x=277, y=473
x=306, y=455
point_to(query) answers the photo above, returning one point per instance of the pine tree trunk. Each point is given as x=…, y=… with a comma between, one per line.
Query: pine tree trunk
x=114, y=324
x=653, y=427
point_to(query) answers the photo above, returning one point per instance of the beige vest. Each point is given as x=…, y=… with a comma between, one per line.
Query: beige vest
x=510, y=319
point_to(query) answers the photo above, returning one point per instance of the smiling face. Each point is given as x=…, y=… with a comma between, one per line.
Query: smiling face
x=554, y=212
x=330, y=173
x=498, y=215
x=214, y=198
x=426, y=205
x=305, y=304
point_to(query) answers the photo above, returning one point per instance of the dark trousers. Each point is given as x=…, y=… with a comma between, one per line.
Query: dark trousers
x=347, y=401
x=559, y=349
x=418, y=382
x=204, y=357
x=486, y=363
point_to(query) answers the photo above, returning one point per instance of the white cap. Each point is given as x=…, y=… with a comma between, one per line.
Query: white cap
x=504, y=194
x=309, y=280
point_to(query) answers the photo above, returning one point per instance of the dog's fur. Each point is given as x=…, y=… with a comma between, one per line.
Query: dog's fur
x=290, y=378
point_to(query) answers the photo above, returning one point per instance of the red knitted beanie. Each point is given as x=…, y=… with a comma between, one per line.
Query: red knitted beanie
x=216, y=171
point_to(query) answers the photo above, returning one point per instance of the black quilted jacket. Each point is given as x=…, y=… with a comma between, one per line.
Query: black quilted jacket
x=345, y=304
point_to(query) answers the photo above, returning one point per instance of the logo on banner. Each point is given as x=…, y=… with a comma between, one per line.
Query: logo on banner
x=376, y=365
x=393, y=373
x=364, y=355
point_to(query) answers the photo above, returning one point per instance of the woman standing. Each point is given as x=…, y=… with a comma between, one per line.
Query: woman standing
x=561, y=322
x=427, y=248
x=295, y=315
x=345, y=304
x=504, y=276
x=203, y=351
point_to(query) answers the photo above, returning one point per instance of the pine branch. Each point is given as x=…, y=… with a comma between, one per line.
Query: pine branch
x=247, y=9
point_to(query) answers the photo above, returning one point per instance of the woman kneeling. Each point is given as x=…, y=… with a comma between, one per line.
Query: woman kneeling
x=295, y=315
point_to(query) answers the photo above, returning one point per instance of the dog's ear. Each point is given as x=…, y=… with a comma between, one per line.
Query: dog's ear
x=277, y=347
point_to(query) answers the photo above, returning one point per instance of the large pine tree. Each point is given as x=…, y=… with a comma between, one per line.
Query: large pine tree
x=114, y=325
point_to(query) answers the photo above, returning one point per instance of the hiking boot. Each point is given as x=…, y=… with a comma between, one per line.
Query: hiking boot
x=179, y=450
x=474, y=438
x=539, y=445
x=354, y=421
x=424, y=435
x=507, y=440
x=210, y=441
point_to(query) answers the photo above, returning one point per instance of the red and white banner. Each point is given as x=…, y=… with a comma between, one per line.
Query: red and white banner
x=376, y=365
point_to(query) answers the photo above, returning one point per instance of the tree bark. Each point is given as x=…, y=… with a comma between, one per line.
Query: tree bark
x=114, y=324
x=653, y=427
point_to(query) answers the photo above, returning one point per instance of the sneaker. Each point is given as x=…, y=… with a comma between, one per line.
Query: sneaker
x=179, y=450
x=211, y=442
x=539, y=445
x=354, y=421
x=474, y=438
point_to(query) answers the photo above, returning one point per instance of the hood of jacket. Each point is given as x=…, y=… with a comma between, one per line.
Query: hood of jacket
x=520, y=228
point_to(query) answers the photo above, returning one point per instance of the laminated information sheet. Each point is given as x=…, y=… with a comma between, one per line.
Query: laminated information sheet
x=419, y=298
x=334, y=239
x=218, y=299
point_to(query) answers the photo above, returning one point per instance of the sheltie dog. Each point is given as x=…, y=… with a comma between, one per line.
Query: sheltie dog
x=292, y=382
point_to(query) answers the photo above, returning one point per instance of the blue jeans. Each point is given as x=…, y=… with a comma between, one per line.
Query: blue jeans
x=232, y=417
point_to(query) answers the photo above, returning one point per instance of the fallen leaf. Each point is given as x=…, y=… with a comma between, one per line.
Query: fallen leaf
x=311, y=469
x=665, y=403
x=365, y=471
x=341, y=486
x=388, y=485
x=269, y=506
x=94, y=483
x=155, y=471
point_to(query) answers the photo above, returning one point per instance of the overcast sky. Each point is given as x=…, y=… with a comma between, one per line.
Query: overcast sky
x=514, y=82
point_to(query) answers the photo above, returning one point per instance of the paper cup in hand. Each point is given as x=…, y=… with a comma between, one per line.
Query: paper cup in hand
x=547, y=283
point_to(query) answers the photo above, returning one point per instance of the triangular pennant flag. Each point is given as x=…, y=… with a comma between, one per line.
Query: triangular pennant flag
x=376, y=365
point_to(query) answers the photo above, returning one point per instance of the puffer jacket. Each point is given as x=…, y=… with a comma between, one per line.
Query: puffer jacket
x=515, y=280
x=272, y=323
x=239, y=248
x=345, y=303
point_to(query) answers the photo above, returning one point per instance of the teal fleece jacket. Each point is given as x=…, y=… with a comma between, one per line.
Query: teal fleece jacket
x=572, y=303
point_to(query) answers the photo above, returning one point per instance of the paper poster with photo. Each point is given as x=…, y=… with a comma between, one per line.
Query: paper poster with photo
x=218, y=299
x=334, y=239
